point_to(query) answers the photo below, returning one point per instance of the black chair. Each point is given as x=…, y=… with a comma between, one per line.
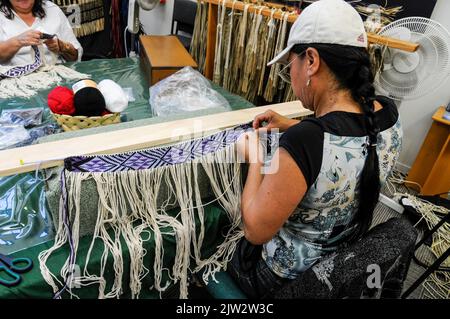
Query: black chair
x=386, y=251
x=388, y=247
x=183, y=20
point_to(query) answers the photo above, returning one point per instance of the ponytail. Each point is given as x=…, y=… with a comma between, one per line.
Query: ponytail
x=369, y=189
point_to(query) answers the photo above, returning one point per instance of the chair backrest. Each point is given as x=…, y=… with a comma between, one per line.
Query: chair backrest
x=374, y=267
x=184, y=14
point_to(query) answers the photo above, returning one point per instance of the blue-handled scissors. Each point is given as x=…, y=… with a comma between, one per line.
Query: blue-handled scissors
x=13, y=267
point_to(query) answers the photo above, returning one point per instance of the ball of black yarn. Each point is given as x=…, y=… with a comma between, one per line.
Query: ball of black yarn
x=89, y=101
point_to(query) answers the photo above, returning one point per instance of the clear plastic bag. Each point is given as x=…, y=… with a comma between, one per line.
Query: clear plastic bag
x=24, y=217
x=25, y=117
x=130, y=94
x=185, y=91
x=12, y=135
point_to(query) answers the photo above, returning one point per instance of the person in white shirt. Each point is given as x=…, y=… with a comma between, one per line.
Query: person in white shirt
x=22, y=23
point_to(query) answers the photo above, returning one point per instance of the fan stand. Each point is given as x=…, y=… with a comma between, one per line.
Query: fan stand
x=391, y=203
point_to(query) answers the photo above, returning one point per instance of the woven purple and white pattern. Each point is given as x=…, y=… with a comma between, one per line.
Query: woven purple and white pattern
x=17, y=71
x=155, y=157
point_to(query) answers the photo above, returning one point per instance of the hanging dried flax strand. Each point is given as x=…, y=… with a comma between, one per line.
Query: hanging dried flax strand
x=282, y=85
x=226, y=30
x=204, y=35
x=250, y=53
x=260, y=62
x=272, y=83
x=221, y=9
x=383, y=16
x=199, y=36
x=239, y=53
x=268, y=49
x=229, y=33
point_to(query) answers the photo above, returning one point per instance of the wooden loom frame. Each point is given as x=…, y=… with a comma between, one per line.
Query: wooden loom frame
x=239, y=5
x=51, y=154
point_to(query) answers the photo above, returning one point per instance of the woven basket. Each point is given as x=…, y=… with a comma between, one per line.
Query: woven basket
x=74, y=123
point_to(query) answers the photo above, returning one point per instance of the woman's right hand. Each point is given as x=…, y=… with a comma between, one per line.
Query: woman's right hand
x=28, y=38
x=273, y=120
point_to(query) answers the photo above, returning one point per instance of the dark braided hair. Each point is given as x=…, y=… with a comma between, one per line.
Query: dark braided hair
x=352, y=70
x=7, y=9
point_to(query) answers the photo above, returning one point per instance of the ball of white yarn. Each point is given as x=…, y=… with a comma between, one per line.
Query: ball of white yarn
x=116, y=99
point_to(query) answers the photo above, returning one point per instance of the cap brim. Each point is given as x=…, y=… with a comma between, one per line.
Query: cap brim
x=282, y=57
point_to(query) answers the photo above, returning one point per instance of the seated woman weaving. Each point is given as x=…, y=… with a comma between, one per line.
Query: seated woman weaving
x=327, y=183
x=22, y=25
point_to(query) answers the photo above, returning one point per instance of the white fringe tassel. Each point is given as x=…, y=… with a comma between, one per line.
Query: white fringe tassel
x=128, y=206
x=27, y=86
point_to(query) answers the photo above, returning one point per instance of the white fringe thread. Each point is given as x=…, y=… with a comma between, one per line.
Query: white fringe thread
x=140, y=190
x=27, y=86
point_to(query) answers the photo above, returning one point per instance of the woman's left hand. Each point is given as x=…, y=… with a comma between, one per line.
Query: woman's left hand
x=53, y=45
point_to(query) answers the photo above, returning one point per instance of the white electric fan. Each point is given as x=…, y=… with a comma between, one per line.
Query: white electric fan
x=133, y=24
x=411, y=75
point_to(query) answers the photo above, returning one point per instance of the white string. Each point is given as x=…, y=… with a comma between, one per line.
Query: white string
x=437, y=284
x=129, y=206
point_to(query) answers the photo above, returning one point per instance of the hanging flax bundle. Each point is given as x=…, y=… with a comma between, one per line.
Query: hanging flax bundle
x=218, y=65
x=251, y=56
x=135, y=192
x=377, y=16
x=273, y=82
x=239, y=60
x=226, y=83
x=199, y=36
x=268, y=49
x=245, y=43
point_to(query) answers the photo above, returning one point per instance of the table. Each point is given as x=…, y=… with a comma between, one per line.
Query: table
x=431, y=168
x=23, y=201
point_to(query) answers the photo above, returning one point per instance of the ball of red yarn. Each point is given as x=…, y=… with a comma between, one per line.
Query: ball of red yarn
x=60, y=101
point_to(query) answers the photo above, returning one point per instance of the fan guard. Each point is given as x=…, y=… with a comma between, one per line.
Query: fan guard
x=410, y=75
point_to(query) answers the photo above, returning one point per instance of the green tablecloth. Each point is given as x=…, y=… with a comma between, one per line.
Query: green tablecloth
x=22, y=198
x=127, y=73
x=33, y=285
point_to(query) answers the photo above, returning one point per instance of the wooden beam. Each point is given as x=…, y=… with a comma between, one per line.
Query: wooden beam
x=372, y=37
x=51, y=154
x=392, y=43
x=239, y=5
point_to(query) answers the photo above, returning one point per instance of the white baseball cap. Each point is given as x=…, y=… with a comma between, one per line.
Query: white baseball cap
x=325, y=21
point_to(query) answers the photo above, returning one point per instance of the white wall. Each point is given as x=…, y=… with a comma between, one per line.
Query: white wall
x=159, y=20
x=416, y=115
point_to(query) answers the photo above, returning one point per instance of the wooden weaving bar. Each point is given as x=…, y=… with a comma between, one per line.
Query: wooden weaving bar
x=51, y=154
